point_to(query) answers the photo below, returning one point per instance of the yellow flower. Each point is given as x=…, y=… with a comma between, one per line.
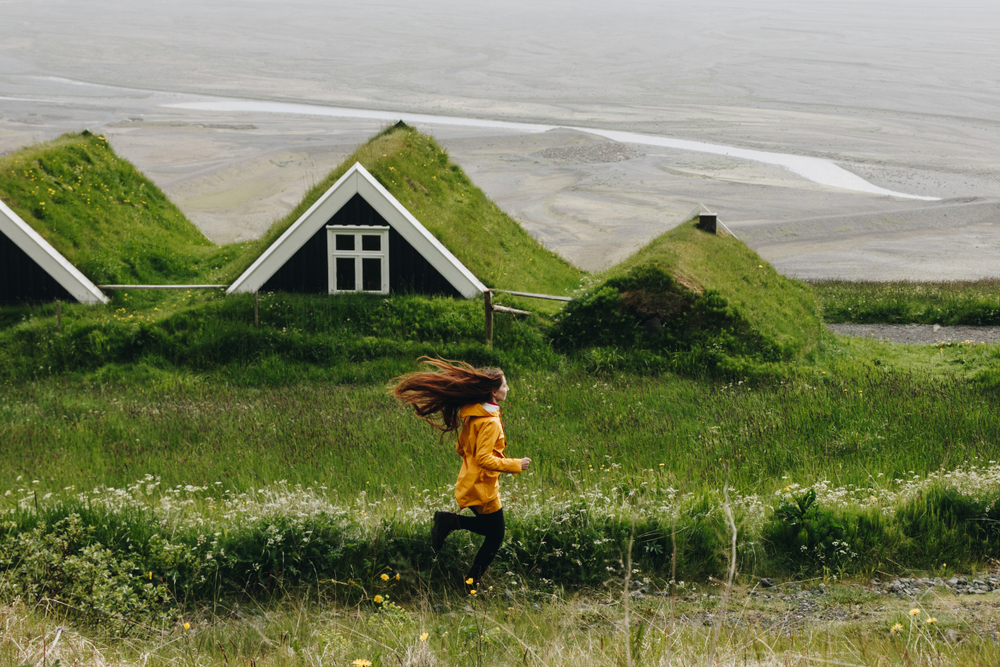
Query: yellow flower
x=931, y=620
x=385, y=577
x=469, y=581
x=361, y=662
x=472, y=592
x=187, y=626
x=897, y=628
x=424, y=636
x=378, y=599
x=397, y=576
x=914, y=612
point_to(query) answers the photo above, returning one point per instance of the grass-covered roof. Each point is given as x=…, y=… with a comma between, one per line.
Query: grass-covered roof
x=782, y=309
x=419, y=173
x=101, y=213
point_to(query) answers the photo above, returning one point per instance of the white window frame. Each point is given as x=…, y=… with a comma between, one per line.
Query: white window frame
x=332, y=254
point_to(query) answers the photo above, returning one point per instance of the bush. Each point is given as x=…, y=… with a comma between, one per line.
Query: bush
x=88, y=582
x=647, y=309
x=803, y=535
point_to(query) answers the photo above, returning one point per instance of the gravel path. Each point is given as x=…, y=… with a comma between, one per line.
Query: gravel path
x=926, y=334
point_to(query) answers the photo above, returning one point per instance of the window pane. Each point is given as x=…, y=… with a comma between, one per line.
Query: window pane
x=345, y=241
x=345, y=274
x=371, y=243
x=371, y=274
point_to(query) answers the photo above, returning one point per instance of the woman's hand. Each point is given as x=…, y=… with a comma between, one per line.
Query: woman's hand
x=525, y=462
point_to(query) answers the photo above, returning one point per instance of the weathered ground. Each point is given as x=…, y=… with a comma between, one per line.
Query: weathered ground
x=926, y=334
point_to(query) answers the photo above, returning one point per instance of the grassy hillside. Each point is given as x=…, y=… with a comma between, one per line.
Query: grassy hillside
x=437, y=192
x=103, y=215
x=782, y=309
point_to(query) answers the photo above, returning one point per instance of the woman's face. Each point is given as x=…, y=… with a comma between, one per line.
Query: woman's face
x=501, y=393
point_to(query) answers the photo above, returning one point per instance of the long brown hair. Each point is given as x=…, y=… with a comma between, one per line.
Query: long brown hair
x=446, y=390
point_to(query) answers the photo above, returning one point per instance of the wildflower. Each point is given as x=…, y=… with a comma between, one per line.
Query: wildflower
x=472, y=592
x=397, y=576
x=424, y=636
x=469, y=581
x=914, y=612
x=931, y=620
x=385, y=577
x=361, y=662
x=187, y=626
x=896, y=628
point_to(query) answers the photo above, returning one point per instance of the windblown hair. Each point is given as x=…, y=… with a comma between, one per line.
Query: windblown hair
x=446, y=390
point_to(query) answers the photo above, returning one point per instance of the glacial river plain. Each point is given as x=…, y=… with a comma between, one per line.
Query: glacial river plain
x=846, y=139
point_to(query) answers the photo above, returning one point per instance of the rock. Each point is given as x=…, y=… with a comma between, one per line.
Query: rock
x=766, y=583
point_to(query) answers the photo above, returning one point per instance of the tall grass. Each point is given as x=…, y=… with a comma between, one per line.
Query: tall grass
x=563, y=630
x=975, y=303
x=192, y=429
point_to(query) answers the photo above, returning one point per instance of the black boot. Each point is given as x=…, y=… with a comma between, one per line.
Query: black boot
x=444, y=524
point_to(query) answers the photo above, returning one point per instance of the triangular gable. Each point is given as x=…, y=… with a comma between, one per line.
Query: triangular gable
x=48, y=258
x=357, y=180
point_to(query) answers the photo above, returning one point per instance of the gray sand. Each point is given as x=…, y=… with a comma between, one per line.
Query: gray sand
x=899, y=93
x=926, y=334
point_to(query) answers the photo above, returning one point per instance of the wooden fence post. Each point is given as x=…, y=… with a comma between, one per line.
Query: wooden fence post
x=488, y=305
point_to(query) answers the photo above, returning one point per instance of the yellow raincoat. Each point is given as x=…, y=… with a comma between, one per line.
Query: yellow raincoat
x=481, y=443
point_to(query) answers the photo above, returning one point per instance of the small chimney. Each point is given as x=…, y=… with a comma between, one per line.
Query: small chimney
x=708, y=222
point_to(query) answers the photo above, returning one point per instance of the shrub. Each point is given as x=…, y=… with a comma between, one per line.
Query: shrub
x=803, y=535
x=646, y=321
x=88, y=581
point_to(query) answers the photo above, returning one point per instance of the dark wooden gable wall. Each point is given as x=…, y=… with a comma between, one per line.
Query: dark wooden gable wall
x=409, y=272
x=22, y=280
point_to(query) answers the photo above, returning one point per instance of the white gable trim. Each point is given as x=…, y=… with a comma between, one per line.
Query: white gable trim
x=47, y=257
x=357, y=180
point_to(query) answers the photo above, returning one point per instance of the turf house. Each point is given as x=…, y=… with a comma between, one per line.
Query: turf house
x=32, y=271
x=358, y=238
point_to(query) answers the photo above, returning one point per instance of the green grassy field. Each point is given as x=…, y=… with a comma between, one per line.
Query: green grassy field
x=164, y=462
x=975, y=303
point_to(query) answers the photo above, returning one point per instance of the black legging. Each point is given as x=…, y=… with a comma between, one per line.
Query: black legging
x=490, y=526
